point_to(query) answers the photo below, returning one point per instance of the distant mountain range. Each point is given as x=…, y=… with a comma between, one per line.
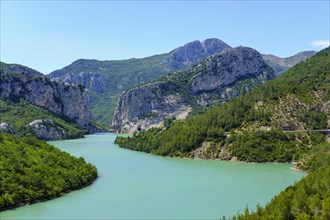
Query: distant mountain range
x=106, y=80
x=281, y=65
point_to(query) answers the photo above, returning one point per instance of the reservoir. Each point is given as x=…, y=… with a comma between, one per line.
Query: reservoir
x=135, y=185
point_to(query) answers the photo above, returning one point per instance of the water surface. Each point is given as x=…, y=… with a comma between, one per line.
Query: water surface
x=135, y=185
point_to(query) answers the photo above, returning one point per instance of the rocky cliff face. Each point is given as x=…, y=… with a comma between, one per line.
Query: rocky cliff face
x=218, y=78
x=63, y=99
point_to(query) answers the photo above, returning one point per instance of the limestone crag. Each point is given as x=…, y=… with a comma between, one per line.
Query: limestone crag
x=193, y=52
x=91, y=80
x=226, y=68
x=47, y=130
x=6, y=128
x=148, y=106
x=218, y=78
x=63, y=99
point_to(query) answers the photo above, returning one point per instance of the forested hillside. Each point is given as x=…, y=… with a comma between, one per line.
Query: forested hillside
x=258, y=121
x=32, y=170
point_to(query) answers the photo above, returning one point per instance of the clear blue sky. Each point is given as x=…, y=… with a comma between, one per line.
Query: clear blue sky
x=48, y=35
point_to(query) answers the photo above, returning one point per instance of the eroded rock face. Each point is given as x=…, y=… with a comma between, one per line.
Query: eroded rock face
x=92, y=80
x=226, y=68
x=6, y=128
x=45, y=129
x=64, y=99
x=147, y=106
x=218, y=78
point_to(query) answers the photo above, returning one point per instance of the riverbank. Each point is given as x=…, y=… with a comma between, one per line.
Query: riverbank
x=48, y=199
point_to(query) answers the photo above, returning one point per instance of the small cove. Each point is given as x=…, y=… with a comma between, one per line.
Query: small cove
x=135, y=185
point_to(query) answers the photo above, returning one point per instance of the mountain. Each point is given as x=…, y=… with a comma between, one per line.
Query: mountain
x=281, y=65
x=216, y=79
x=56, y=110
x=106, y=80
x=274, y=122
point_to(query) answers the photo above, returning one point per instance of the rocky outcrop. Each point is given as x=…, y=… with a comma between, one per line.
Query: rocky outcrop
x=193, y=52
x=92, y=80
x=45, y=129
x=218, y=78
x=6, y=128
x=66, y=100
x=147, y=106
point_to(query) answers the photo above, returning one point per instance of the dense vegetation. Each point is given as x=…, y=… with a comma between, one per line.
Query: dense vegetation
x=32, y=170
x=293, y=101
x=19, y=114
x=307, y=199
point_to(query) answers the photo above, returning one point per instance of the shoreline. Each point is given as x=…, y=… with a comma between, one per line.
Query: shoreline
x=217, y=159
x=48, y=199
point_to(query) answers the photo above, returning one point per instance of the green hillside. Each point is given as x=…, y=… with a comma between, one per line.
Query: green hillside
x=297, y=100
x=32, y=171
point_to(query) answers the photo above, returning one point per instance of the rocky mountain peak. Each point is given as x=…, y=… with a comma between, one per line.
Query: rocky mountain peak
x=16, y=68
x=213, y=45
x=193, y=52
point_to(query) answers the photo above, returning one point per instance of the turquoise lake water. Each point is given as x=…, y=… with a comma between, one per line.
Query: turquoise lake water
x=135, y=185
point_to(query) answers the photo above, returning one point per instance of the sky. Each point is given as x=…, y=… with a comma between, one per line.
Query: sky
x=48, y=35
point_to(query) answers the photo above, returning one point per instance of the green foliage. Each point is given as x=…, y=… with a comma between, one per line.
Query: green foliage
x=32, y=170
x=19, y=114
x=270, y=146
x=169, y=121
x=300, y=81
x=148, y=115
